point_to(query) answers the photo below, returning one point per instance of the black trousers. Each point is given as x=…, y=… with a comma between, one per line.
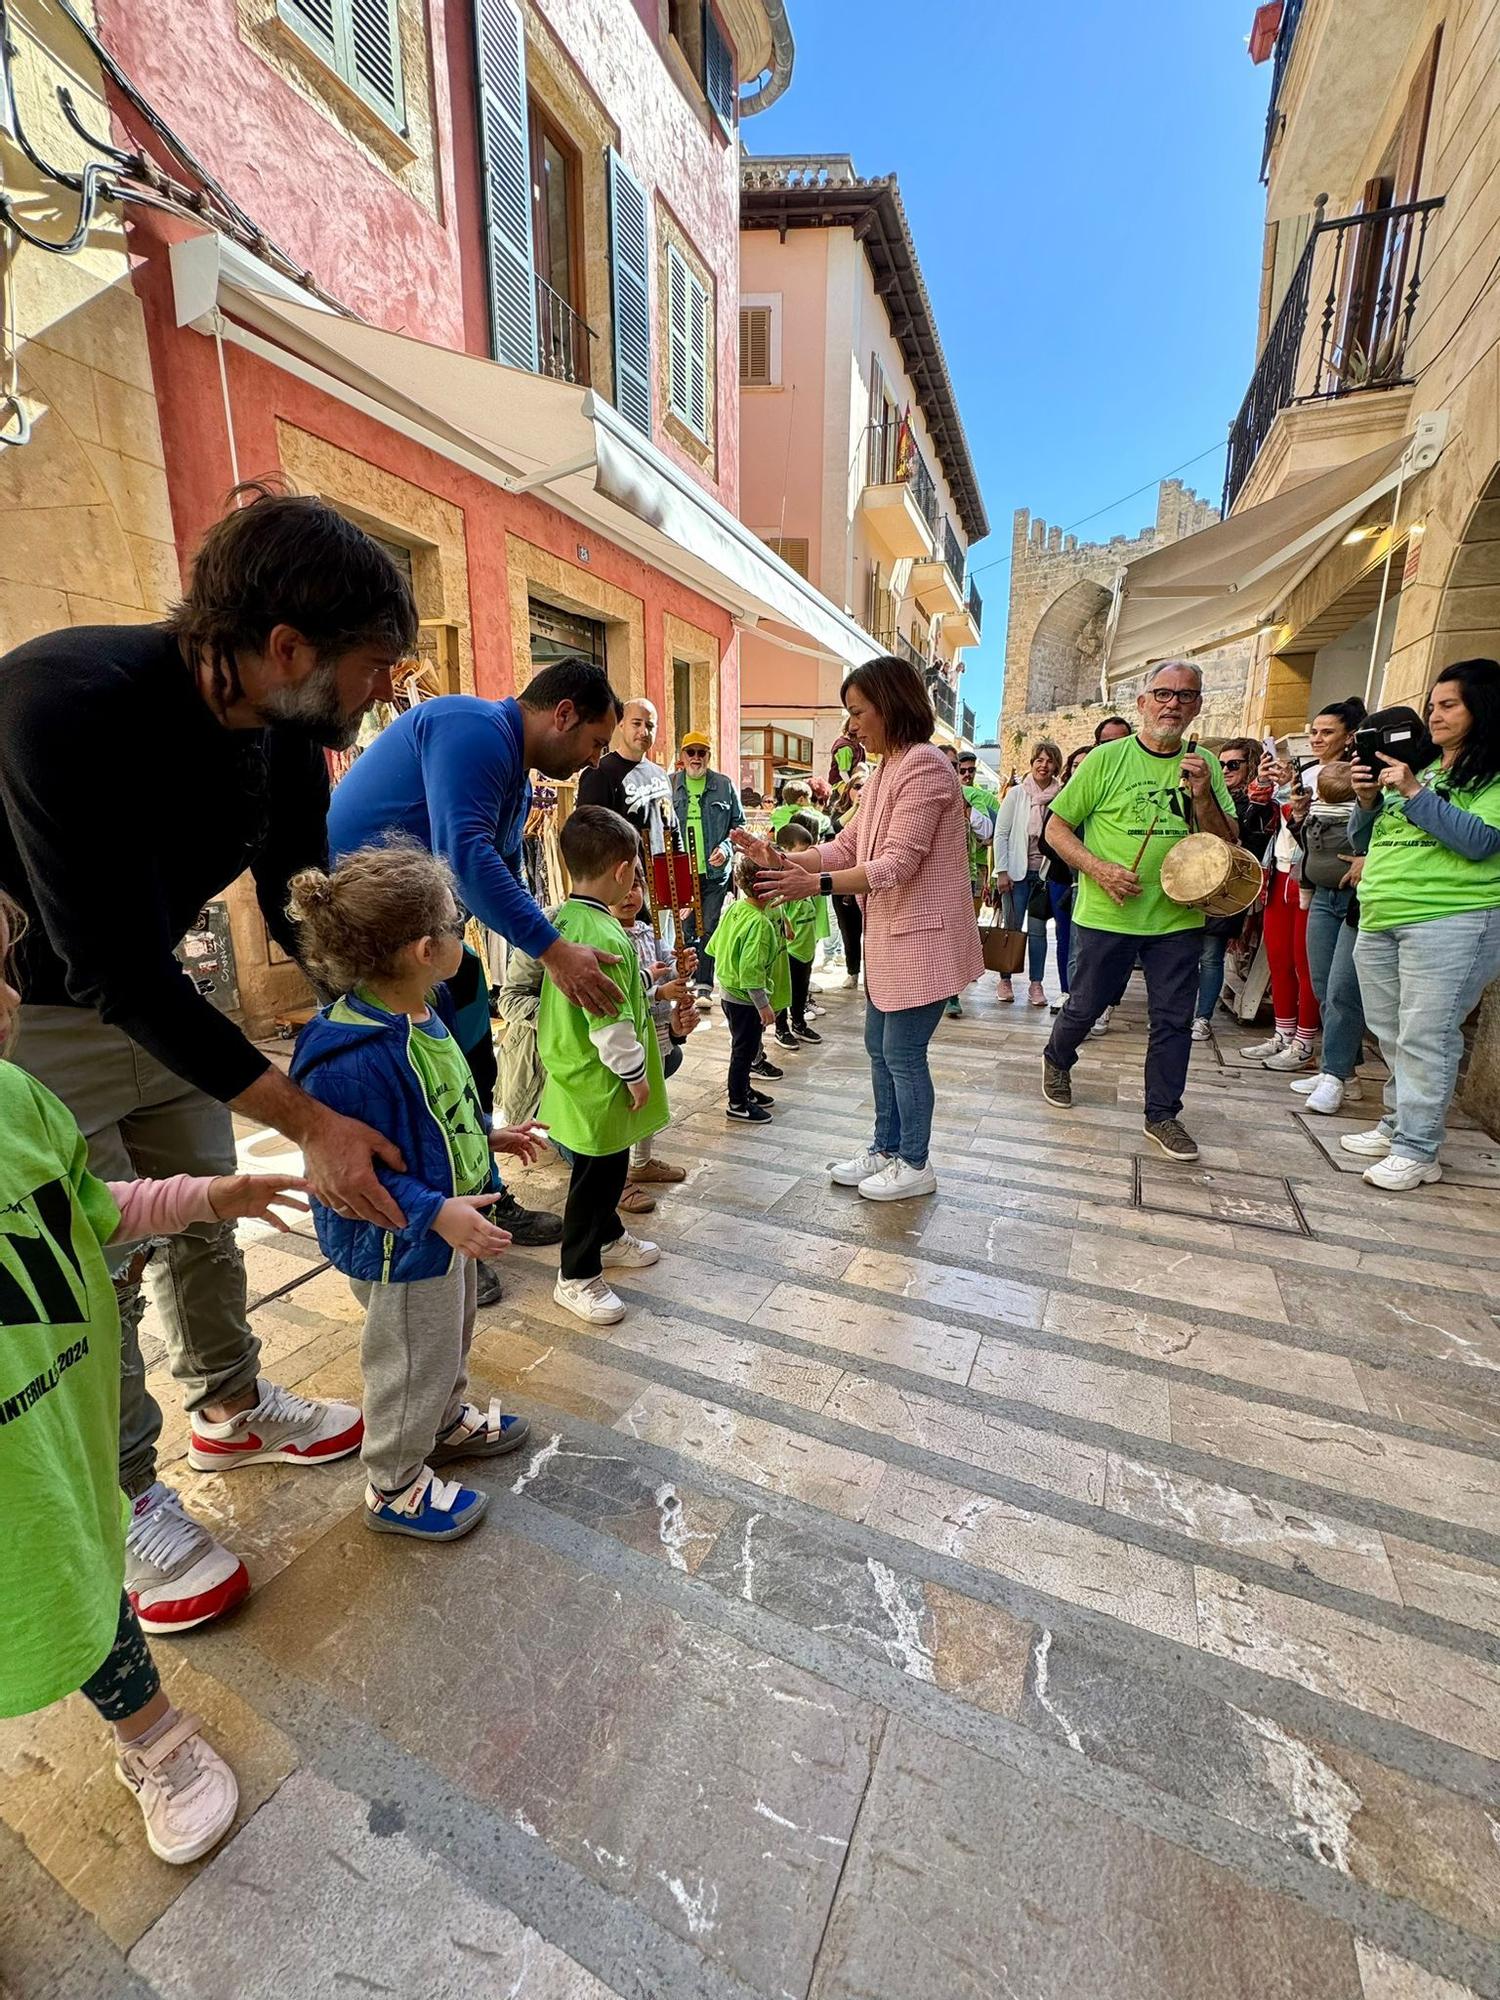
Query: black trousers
x=851, y=925
x=465, y=989
x=1103, y=965
x=589, y=1218
x=801, y=982
x=744, y=1047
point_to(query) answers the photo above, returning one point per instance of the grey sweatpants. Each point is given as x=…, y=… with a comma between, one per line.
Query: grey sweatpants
x=414, y=1356
x=142, y=1120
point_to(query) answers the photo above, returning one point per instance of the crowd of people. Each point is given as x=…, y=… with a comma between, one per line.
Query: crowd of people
x=199, y=744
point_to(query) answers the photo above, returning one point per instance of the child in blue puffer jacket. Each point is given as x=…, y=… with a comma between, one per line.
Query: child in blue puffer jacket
x=383, y=930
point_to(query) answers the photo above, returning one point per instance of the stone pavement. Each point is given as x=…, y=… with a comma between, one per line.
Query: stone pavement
x=1081, y=1586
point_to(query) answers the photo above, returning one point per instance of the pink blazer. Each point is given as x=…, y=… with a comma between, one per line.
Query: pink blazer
x=911, y=837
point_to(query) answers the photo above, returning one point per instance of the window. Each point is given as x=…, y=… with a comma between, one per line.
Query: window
x=560, y=635
x=760, y=341
x=557, y=246
x=709, y=54
x=360, y=42
x=500, y=63
x=682, y=700
x=690, y=324
x=791, y=548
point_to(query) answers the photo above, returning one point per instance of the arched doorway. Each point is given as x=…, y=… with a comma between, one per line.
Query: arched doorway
x=1067, y=649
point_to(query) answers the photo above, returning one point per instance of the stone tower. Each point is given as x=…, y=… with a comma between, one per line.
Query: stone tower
x=1059, y=606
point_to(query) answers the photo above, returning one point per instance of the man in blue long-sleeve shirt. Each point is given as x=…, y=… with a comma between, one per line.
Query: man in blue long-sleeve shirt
x=452, y=773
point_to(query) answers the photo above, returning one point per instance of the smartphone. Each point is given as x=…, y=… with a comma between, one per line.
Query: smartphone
x=1367, y=749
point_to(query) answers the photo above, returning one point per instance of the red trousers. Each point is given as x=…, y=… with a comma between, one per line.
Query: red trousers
x=1285, y=931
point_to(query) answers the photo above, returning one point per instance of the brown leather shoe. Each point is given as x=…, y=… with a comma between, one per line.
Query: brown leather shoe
x=636, y=1201
x=657, y=1171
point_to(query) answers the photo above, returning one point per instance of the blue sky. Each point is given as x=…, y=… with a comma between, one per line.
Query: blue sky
x=1081, y=181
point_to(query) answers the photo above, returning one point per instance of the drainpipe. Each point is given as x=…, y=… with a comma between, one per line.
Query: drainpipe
x=783, y=54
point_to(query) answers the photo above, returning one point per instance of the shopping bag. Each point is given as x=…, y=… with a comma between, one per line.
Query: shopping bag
x=1004, y=951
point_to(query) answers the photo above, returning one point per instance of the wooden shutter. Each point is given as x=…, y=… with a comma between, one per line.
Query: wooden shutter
x=793, y=550
x=755, y=345
x=500, y=46
x=374, y=49
x=718, y=69
x=699, y=321
x=677, y=334
x=630, y=292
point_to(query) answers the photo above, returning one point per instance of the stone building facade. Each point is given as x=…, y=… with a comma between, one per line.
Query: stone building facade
x=1059, y=615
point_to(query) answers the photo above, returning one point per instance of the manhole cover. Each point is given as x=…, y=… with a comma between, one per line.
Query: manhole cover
x=1255, y=1201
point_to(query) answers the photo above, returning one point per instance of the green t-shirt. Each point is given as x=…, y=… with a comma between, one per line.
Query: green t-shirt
x=976, y=795
x=695, y=790
x=448, y=1085
x=1410, y=876
x=1113, y=798
x=802, y=916
x=750, y=953
x=585, y=1106
x=62, y=1555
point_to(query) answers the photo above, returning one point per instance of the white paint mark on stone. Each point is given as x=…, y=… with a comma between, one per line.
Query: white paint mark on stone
x=675, y=1533
x=539, y=1458
x=603, y=1854
x=905, y=1648
x=802, y=1701
x=547, y=1356
x=1322, y=1802
x=746, y=1563
x=766, y=1812
x=701, y=1910
x=524, y=1824
x=1039, y=1684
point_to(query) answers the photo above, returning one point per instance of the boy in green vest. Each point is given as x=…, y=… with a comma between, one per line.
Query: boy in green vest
x=604, y=1087
x=751, y=957
x=806, y=921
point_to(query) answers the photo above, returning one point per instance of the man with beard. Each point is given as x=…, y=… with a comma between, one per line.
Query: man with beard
x=142, y=769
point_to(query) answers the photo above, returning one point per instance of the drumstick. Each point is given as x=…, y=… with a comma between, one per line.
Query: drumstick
x=1146, y=842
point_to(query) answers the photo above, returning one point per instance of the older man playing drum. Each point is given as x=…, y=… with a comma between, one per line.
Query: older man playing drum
x=1136, y=799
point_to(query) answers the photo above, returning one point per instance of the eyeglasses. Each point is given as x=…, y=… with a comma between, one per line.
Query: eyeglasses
x=695, y=753
x=1231, y=763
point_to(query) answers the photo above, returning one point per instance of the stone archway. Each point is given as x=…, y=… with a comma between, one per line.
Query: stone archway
x=1067, y=648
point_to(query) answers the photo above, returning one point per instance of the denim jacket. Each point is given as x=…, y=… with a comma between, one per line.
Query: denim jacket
x=721, y=811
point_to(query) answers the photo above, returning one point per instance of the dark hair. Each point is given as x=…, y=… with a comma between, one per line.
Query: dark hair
x=793, y=834
x=1351, y=712
x=289, y=559
x=594, y=839
x=577, y=680
x=1248, y=744
x=1073, y=756
x=1109, y=723
x=1479, y=759
x=894, y=688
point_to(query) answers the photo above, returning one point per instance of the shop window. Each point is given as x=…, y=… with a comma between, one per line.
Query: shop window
x=561, y=635
x=360, y=42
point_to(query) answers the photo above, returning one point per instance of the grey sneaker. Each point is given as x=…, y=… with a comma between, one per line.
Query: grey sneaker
x=1174, y=1140
x=176, y=1575
x=1057, y=1085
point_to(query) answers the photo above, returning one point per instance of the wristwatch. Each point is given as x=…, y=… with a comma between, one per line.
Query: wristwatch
x=825, y=884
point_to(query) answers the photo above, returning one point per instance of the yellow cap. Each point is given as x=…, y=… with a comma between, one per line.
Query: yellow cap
x=695, y=740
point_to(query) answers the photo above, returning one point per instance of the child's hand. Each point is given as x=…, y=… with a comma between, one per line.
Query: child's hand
x=766, y=1017
x=527, y=1142
x=460, y=1225
x=638, y=1091
x=675, y=990
x=235, y=1196
x=687, y=962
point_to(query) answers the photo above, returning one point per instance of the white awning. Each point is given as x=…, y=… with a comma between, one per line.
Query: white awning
x=1227, y=580
x=521, y=432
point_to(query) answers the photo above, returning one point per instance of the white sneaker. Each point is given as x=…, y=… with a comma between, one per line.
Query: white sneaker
x=849, y=1173
x=1368, y=1145
x=1271, y=1046
x=299, y=1430
x=1305, y=1085
x=1101, y=1026
x=629, y=1253
x=1399, y=1175
x=1327, y=1095
x=851, y=979
x=1296, y=1055
x=589, y=1299
x=1201, y=1030
x=898, y=1182
x=186, y=1792
x=176, y=1575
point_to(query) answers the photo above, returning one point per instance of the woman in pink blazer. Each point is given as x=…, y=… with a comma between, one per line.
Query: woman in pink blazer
x=906, y=857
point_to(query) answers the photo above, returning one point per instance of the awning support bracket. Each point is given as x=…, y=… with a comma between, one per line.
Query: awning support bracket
x=550, y=474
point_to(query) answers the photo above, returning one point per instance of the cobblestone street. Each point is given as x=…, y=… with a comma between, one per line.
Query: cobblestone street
x=1082, y=1586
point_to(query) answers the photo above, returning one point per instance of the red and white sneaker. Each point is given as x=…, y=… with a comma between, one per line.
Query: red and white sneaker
x=280, y=1429
x=176, y=1575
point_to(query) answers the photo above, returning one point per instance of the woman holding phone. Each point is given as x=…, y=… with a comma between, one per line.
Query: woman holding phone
x=1429, y=916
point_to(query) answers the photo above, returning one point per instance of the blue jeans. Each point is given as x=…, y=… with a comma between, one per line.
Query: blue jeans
x=1330, y=958
x=1211, y=973
x=1013, y=916
x=1419, y=983
x=1060, y=896
x=1105, y=962
x=896, y=1044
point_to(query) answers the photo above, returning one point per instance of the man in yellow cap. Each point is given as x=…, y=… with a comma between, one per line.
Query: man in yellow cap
x=707, y=807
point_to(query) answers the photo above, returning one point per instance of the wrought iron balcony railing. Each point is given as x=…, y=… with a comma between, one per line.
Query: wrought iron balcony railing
x=905, y=650
x=1356, y=288
x=893, y=459
x=944, y=701
x=1286, y=34
x=562, y=337
x=953, y=553
x=967, y=732
x=976, y=607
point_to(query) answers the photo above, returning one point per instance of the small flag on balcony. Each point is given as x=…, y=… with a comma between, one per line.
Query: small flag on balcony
x=1264, y=29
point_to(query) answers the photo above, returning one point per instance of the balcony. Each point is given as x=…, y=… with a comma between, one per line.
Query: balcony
x=1342, y=329
x=962, y=627
x=938, y=584
x=944, y=701
x=1285, y=36
x=899, y=501
x=967, y=732
x=905, y=650
x=562, y=337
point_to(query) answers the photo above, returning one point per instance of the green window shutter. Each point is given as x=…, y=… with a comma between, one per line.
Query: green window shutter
x=500, y=47
x=698, y=316
x=316, y=21
x=677, y=334
x=374, y=47
x=718, y=69
x=630, y=292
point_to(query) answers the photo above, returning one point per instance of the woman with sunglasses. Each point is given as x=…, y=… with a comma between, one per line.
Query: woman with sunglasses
x=1429, y=917
x=1238, y=760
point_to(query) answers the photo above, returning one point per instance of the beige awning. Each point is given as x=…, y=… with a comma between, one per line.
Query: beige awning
x=1231, y=578
x=522, y=433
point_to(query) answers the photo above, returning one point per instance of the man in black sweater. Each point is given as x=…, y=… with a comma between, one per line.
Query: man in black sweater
x=142, y=769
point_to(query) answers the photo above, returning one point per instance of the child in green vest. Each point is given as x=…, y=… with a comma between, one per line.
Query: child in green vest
x=604, y=1087
x=806, y=921
x=751, y=956
x=68, y=1623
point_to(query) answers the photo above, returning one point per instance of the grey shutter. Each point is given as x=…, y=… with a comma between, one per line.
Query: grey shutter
x=698, y=319
x=718, y=69
x=630, y=292
x=500, y=47
x=375, y=56
x=315, y=22
x=677, y=335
